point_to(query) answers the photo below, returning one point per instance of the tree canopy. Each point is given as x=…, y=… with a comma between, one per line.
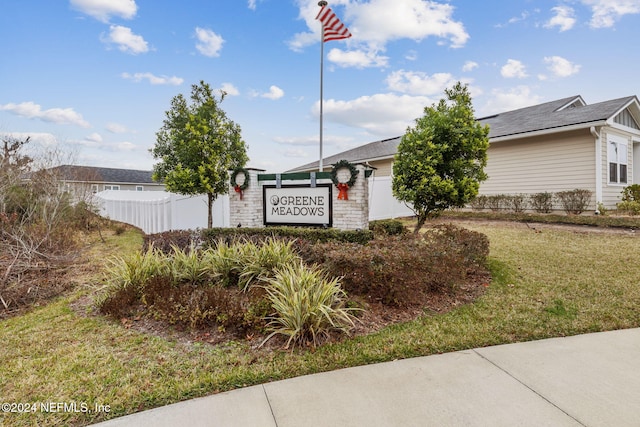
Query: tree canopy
x=197, y=146
x=440, y=161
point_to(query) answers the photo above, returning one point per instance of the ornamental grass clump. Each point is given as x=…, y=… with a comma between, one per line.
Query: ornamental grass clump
x=261, y=261
x=135, y=271
x=307, y=304
x=189, y=266
x=225, y=261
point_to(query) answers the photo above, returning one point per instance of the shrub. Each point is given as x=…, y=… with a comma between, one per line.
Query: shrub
x=631, y=193
x=479, y=203
x=166, y=241
x=213, y=235
x=629, y=207
x=402, y=270
x=516, y=202
x=307, y=305
x=574, y=201
x=542, y=202
x=496, y=202
x=387, y=227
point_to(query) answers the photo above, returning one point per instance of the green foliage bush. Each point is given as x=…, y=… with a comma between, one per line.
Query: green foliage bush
x=387, y=227
x=311, y=234
x=629, y=207
x=574, y=201
x=631, y=193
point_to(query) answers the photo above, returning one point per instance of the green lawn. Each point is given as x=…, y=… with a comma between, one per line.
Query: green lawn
x=546, y=284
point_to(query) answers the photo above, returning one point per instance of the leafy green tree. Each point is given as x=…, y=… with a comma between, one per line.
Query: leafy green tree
x=197, y=146
x=440, y=161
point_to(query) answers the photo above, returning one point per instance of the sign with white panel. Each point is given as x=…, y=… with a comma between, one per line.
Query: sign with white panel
x=297, y=205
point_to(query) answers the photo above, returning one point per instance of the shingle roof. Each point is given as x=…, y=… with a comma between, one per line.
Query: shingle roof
x=385, y=148
x=546, y=116
x=111, y=175
x=549, y=115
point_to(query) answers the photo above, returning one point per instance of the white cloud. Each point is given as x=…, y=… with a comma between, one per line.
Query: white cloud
x=512, y=99
x=419, y=83
x=564, y=18
x=32, y=110
x=379, y=114
x=230, y=89
x=513, y=69
x=274, y=93
x=412, y=55
x=103, y=10
x=209, y=43
x=607, y=12
x=125, y=39
x=357, y=58
x=377, y=22
x=561, y=67
x=116, y=128
x=153, y=79
x=380, y=21
x=470, y=66
x=94, y=137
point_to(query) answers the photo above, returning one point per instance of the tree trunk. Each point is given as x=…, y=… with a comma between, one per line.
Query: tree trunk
x=421, y=220
x=210, y=199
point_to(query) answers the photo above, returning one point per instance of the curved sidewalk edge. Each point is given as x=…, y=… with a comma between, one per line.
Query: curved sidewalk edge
x=584, y=380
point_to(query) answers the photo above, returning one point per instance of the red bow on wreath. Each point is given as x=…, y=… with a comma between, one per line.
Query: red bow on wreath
x=238, y=190
x=342, y=188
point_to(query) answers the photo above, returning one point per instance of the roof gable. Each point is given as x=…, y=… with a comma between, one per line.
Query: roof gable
x=556, y=114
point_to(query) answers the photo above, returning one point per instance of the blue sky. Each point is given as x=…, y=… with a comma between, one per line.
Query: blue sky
x=95, y=77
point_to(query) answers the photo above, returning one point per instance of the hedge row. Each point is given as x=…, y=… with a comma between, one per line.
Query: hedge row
x=572, y=202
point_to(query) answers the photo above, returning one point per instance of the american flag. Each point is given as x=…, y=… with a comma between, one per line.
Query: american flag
x=334, y=29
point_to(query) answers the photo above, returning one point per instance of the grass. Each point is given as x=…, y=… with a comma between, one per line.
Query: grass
x=545, y=284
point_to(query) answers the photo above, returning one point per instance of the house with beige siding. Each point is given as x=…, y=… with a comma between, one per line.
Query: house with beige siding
x=555, y=146
x=89, y=179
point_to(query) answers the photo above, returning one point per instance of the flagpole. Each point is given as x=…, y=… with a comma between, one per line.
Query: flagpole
x=321, y=4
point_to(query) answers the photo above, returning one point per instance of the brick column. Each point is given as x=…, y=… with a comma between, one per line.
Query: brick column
x=248, y=211
x=353, y=214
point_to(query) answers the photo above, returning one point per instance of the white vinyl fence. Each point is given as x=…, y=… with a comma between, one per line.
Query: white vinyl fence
x=382, y=204
x=158, y=211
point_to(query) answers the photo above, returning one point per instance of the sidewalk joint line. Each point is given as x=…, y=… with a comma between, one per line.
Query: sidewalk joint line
x=269, y=403
x=527, y=386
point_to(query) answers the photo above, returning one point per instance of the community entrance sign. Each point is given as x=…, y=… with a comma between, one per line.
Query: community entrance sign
x=298, y=205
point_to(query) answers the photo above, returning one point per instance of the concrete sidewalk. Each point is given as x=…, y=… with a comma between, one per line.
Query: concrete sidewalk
x=585, y=380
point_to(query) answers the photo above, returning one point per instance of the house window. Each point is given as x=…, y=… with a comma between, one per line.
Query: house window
x=111, y=187
x=617, y=157
x=139, y=188
x=94, y=188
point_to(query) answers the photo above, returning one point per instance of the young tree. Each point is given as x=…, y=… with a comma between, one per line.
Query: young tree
x=197, y=146
x=440, y=162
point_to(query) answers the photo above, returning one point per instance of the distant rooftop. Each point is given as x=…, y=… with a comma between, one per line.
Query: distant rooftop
x=98, y=174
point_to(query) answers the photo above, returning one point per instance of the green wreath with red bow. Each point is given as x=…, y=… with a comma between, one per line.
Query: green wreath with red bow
x=240, y=188
x=343, y=187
